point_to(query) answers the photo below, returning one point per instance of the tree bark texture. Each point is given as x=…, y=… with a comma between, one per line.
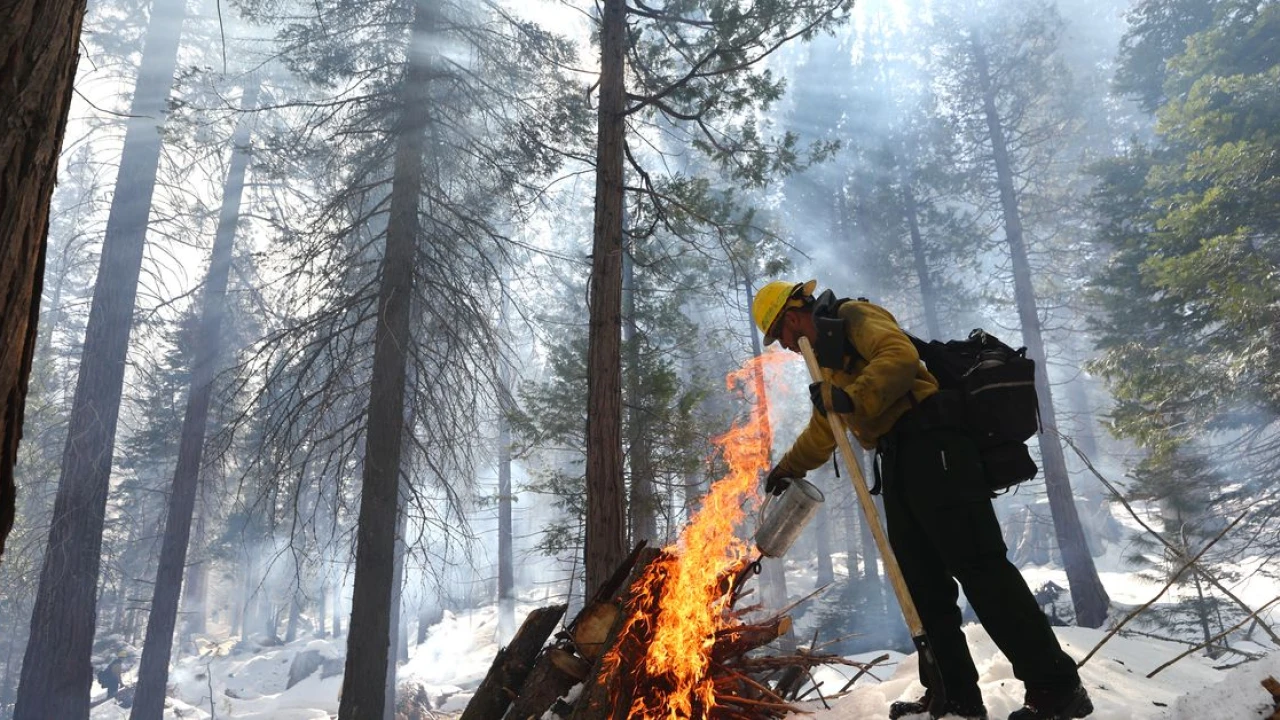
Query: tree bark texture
x=364, y=684
x=153, y=670
x=606, y=518
x=1087, y=593
x=56, y=671
x=38, y=43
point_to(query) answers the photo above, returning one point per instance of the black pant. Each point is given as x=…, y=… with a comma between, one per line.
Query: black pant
x=942, y=526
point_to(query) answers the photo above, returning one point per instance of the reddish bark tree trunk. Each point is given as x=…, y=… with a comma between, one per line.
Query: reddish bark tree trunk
x=606, y=517
x=38, y=42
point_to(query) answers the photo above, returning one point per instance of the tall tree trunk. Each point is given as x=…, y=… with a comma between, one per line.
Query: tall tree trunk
x=337, y=609
x=38, y=54
x=396, y=623
x=928, y=297
x=57, y=671
x=6, y=684
x=364, y=685
x=847, y=516
x=194, y=596
x=506, y=563
x=247, y=596
x=195, y=589
x=642, y=507
x=606, y=526
x=295, y=614
x=1078, y=400
x=822, y=543
x=870, y=551
x=1095, y=500
x=268, y=613
x=153, y=670
x=322, y=603
x=1087, y=593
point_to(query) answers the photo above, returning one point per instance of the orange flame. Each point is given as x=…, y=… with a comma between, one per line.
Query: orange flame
x=681, y=599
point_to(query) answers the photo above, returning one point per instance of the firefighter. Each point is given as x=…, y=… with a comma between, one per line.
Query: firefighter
x=109, y=678
x=937, y=507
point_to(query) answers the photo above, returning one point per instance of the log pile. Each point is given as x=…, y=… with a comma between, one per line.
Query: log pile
x=594, y=652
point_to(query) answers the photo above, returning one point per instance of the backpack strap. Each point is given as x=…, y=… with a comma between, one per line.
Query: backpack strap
x=833, y=344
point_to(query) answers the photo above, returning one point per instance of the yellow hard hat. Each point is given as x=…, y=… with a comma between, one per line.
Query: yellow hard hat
x=775, y=297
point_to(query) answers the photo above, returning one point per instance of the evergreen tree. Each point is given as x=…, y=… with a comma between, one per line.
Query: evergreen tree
x=696, y=73
x=1002, y=78
x=56, y=673
x=1191, y=225
x=1158, y=31
x=153, y=671
x=439, y=130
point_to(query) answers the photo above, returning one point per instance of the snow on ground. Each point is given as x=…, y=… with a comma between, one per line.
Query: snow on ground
x=1116, y=679
x=246, y=683
x=249, y=684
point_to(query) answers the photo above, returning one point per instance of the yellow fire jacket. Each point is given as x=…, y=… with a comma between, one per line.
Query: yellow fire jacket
x=879, y=382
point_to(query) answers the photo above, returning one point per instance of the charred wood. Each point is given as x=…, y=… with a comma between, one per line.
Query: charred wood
x=512, y=666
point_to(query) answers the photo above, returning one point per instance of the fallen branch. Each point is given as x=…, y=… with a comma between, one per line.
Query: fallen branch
x=1134, y=514
x=1248, y=656
x=1172, y=579
x=865, y=669
x=1215, y=638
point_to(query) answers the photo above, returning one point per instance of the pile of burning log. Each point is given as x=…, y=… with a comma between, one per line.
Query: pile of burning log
x=665, y=637
x=608, y=650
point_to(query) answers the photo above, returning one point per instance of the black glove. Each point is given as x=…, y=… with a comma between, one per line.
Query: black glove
x=777, y=481
x=840, y=400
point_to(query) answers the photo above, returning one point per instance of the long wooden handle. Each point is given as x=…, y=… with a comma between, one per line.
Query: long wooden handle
x=891, y=568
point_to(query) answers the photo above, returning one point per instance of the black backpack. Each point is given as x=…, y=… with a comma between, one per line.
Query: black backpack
x=987, y=388
x=993, y=390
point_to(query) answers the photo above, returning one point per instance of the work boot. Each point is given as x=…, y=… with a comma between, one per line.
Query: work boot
x=1054, y=704
x=907, y=708
x=904, y=709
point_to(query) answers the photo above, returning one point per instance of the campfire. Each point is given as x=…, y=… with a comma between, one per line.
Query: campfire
x=665, y=638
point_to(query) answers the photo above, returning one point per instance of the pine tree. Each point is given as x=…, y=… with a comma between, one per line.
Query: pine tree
x=153, y=671
x=695, y=66
x=1002, y=75
x=56, y=673
x=1189, y=287
x=425, y=160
